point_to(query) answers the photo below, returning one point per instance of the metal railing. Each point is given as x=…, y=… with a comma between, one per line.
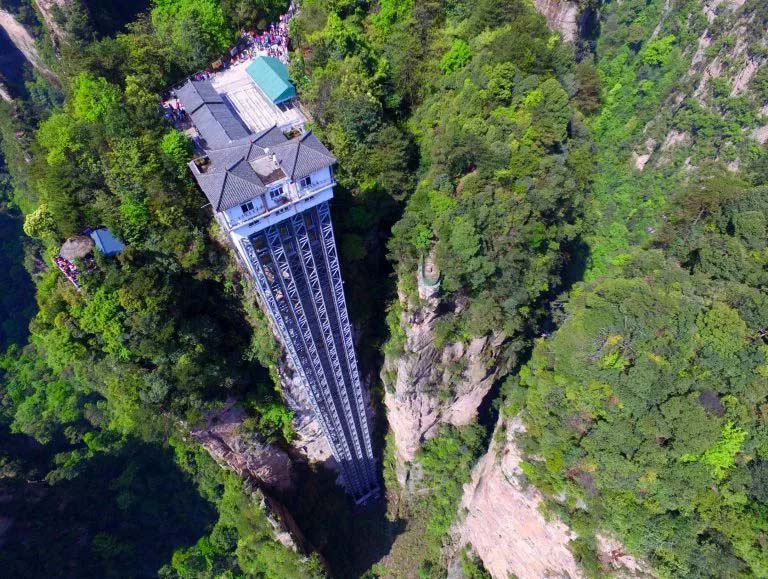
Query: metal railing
x=303, y=194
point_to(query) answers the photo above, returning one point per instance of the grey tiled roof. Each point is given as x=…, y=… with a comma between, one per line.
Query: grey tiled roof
x=270, y=137
x=231, y=177
x=212, y=117
x=303, y=156
x=211, y=184
x=194, y=93
x=237, y=190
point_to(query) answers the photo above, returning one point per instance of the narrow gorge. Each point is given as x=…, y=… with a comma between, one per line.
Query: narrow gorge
x=547, y=220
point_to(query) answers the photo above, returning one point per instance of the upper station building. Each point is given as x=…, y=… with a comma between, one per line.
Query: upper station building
x=269, y=184
x=253, y=180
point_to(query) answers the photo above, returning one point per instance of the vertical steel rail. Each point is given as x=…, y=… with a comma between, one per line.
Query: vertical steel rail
x=332, y=260
x=288, y=283
x=309, y=268
x=329, y=419
x=299, y=274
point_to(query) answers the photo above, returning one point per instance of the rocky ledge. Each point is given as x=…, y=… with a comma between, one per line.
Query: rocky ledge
x=501, y=520
x=427, y=386
x=244, y=453
x=562, y=16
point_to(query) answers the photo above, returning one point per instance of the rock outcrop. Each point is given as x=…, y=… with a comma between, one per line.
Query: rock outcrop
x=4, y=94
x=426, y=385
x=47, y=9
x=562, y=16
x=728, y=53
x=499, y=517
x=23, y=40
x=614, y=558
x=262, y=466
x=284, y=527
x=244, y=453
x=310, y=441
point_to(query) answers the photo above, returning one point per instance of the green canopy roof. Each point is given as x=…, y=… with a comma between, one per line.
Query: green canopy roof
x=272, y=77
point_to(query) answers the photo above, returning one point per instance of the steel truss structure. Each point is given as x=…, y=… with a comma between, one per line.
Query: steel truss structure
x=297, y=271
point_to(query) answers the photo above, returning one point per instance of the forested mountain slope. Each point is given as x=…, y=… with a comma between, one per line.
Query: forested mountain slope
x=641, y=417
x=485, y=103
x=553, y=233
x=661, y=101
x=157, y=339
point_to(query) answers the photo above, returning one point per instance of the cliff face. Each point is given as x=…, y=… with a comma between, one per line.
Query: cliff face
x=729, y=52
x=310, y=442
x=427, y=386
x=501, y=520
x=46, y=10
x=23, y=40
x=247, y=455
x=263, y=467
x=500, y=517
x=562, y=16
x=284, y=527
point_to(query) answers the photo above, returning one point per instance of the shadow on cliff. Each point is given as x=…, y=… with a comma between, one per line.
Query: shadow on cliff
x=349, y=537
x=104, y=521
x=17, y=307
x=14, y=67
x=109, y=17
x=576, y=259
x=352, y=538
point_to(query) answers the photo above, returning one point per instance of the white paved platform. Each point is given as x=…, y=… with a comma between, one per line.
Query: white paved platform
x=251, y=104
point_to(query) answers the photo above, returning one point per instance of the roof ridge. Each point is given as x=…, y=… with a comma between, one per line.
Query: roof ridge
x=256, y=136
x=234, y=164
x=321, y=150
x=221, y=191
x=295, y=160
x=232, y=145
x=244, y=180
x=283, y=145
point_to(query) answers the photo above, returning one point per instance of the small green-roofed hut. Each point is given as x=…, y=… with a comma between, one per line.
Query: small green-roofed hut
x=271, y=76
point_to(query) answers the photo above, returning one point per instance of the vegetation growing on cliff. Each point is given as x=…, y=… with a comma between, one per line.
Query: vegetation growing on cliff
x=647, y=405
x=649, y=401
x=487, y=101
x=505, y=167
x=465, y=130
x=158, y=334
x=447, y=460
x=645, y=410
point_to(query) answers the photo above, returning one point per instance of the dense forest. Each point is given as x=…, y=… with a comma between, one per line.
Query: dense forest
x=597, y=205
x=157, y=336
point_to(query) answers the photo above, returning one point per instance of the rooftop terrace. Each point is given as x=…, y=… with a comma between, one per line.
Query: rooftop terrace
x=250, y=103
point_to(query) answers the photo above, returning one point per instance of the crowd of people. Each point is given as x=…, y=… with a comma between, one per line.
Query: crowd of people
x=68, y=269
x=273, y=41
x=173, y=112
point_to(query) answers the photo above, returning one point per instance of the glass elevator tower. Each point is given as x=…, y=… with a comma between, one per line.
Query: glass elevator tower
x=297, y=271
x=271, y=194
